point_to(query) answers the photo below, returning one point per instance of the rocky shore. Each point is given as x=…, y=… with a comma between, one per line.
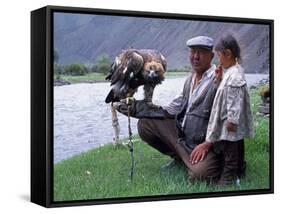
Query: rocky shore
x=60, y=82
x=64, y=82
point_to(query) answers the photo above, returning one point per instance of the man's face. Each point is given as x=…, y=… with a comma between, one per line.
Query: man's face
x=200, y=59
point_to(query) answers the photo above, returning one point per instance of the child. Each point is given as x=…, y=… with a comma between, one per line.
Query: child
x=231, y=118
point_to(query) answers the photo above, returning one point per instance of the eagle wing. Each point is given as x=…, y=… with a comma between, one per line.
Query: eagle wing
x=129, y=71
x=164, y=62
x=124, y=68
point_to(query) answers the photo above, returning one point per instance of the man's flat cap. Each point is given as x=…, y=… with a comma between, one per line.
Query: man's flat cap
x=201, y=41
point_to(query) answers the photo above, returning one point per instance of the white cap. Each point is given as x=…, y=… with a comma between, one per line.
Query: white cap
x=201, y=41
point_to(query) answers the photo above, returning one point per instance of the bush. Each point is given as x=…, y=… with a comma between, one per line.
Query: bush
x=58, y=69
x=56, y=56
x=75, y=69
x=264, y=90
x=102, y=64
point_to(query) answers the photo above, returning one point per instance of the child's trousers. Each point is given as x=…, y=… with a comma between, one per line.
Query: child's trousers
x=234, y=165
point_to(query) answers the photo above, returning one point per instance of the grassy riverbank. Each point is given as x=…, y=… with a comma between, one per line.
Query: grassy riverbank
x=91, y=77
x=99, y=77
x=105, y=172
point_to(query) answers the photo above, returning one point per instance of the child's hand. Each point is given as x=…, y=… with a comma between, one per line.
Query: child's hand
x=231, y=127
x=218, y=73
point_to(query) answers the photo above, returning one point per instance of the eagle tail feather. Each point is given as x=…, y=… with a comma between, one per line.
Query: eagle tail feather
x=111, y=97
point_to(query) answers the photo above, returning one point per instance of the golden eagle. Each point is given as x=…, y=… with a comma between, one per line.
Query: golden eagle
x=133, y=68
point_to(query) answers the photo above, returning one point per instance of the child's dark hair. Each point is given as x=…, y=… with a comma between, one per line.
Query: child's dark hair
x=229, y=42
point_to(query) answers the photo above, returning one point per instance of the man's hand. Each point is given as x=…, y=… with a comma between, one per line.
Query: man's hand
x=200, y=152
x=140, y=109
x=123, y=105
x=231, y=127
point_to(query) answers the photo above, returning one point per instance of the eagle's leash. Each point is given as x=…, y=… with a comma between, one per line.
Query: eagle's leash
x=130, y=142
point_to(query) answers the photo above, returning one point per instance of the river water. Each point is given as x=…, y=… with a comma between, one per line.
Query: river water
x=82, y=120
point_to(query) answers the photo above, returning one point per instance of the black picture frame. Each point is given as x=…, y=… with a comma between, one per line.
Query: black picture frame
x=42, y=161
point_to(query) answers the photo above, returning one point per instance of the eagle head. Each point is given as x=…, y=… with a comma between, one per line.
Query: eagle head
x=153, y=72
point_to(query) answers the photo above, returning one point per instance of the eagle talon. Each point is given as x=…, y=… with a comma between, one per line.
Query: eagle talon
x=128, y=100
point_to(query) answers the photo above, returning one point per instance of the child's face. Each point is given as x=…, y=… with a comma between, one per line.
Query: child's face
x=225, y=58
x=222, y=59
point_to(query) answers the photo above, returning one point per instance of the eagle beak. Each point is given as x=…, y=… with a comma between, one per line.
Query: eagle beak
x=152, y=73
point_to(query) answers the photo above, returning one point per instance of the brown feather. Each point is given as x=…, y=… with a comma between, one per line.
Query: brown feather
x=132, y=68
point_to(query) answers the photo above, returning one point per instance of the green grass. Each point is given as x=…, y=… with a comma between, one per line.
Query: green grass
x=91, y=77
x=176, y=74
x=99, y=77
x=105, y=172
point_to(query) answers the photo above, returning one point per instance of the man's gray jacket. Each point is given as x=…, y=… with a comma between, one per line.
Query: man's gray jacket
x=192, y=124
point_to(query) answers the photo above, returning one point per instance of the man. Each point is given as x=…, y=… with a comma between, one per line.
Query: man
x=179, y=129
